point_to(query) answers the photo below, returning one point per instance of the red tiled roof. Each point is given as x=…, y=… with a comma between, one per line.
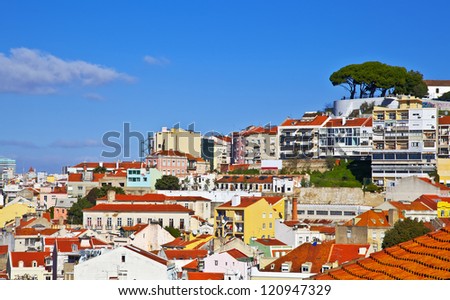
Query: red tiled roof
x=193, y=265
x=28, y=257
x=33, y=231
x=245, y=202
x=224, y=138
x=324, y=229
x=3, y=249
x=371, y=218
x=154, y=198
x=176, y=243
x=199, y=219
x=415, y=205
x=239, y=167
x=436, y=184
x=425, y=257
x=357, y=122
x=205, y=276
x=136, y=228
x=66, y=245
x=185, y=254
x=432, y=200
x=317, y=121
x=316, y=254
x=430, y=82
x=139, y=208
x=78, y=177
x=236, y=253
x=444, y=120
x=343, y=253
x=147, y=254
x=245, y=179
x=260, y=130
x=270, y=242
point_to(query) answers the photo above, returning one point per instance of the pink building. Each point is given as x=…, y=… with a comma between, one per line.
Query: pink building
x=176, y=163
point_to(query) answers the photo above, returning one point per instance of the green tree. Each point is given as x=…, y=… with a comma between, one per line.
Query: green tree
x=404, y=230
x=75, y=213
x=445, y=96
x=99, y=169
x=175, y=232
x=414, y=85
x=167, y=182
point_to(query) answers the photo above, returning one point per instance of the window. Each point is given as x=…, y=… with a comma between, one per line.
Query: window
x=270, y=215
x=34, y=264
x=160, y=221
x=139, y=220
x=109, y=222
x=99, y=222
x=89, y=221
x=119, y=222
x=349, y=233
x=263, y=225
x=181, y=223
x=129, y=221
x=270, y=225
x=123, y=258
x=216, y=262
x=264, y=215
x=322, y=213
x=171, y=223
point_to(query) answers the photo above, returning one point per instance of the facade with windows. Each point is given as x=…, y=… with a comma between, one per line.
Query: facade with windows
x=254, y=144
x=108, y=217
x=350, y=138
x=404, y=141
x=300, y=138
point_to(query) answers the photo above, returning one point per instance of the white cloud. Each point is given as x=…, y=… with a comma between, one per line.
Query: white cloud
x=161, y=61
x=34, y=72
x=18, y=143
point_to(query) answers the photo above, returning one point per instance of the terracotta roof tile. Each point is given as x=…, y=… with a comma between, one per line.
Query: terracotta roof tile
x=3, y=249
x=317, y=121
x=205, y=276
x=317, y=254
x=436, y=184
x=444, y=120
x=185, y=254
x=343, y=253
x=246, y=202
x=139, y=208
x=270, y=242
x=357, y=122
x=425, y=257
x=147, y=254
x=236, y=253
x=28, y=257
x=245, y=179
x=430, y=82
x=33, y=231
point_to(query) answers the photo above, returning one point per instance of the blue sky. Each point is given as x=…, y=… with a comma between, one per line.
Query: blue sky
x=72, y=70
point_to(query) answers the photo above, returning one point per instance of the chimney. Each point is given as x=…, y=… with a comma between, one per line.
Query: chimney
x=344, y=120
x=100, y=164
x=17, y=222
x=294, y=209
x=236, y=200
x=393, y=216
x=111, y=194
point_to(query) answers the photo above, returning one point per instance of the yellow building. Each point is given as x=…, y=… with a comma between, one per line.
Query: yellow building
x=443, y=209
x=443, y=170
x=248, y=217
x=179, y=140
x=9, y=213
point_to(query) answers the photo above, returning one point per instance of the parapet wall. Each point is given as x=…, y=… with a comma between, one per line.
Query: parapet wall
x=338, y=196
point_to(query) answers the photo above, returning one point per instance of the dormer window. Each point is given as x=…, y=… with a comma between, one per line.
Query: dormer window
x=34, y=264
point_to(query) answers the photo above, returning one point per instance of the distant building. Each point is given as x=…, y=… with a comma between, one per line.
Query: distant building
x=29, y=266
x=125, y=263
x=299, y=138
x=404, y=141
x=177, y=139
x=436, y=88
x=7, y=170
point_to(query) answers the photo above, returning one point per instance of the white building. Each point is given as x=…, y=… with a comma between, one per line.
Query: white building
x=233, y=263
x=404, y=141
x=125, y=263
x=437, y=88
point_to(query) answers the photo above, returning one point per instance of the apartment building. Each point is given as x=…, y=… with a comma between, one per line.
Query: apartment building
x=176, y=163
x=404, y=141
x=177, y=139
x=217, y=150
x=299, y=138
x=350, y=138
x=444, y=137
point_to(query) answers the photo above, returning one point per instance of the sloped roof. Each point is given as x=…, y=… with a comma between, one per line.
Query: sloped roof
x=205, y=276
x=78, y=177
x=425, y=257
x=316, y=254
x=436, y=184
x=110, y=165
x=185, y=254
x=69, y=245
x=415, y=205
x=139, y=208
x=3, y=249
x=153, y=197
x=28, y=257
x=430, y=82
x=343, y=253
x=371, y=218
x=444, y=120
x=270, y=242
x=317, y=121
x=147, y=254
x=245, y=179
x=245, y=202
x=432, y=200
x=356, y=122
x=33, y=231
x=236, y=254
x=136, y=228
x=324, y=229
